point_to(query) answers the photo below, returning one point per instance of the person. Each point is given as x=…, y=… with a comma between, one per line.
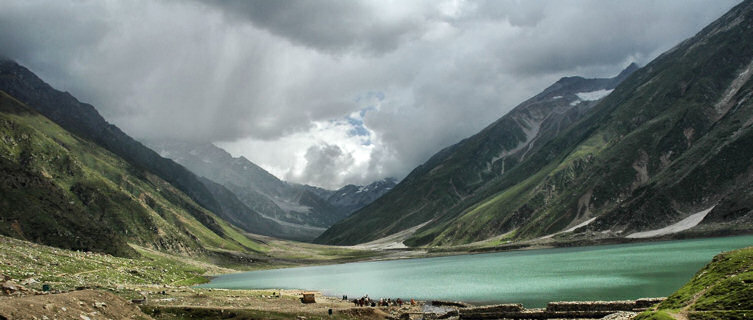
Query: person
x=412, y=302
x=399, y=302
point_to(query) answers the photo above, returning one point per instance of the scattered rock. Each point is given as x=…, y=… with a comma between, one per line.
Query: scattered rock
x=622, y=315
x=10, y=288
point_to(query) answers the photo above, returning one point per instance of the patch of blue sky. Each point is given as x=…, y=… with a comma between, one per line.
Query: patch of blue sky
x=369, y=100
x=357, y=128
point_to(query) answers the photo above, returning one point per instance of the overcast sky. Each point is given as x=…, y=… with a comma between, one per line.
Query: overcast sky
x=331, y=92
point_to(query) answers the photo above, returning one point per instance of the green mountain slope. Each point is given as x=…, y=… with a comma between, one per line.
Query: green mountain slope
x=83, y=120
x=672, y=140
x=723, y=289
x=63, y=190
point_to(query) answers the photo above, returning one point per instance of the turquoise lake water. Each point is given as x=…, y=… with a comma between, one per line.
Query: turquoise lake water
x=532, y=277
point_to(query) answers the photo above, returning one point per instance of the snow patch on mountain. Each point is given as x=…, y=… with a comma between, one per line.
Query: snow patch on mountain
x=684, y=224
x=582, y=224
x=593, y=95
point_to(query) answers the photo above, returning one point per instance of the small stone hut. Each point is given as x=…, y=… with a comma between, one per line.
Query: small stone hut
x=308, y=297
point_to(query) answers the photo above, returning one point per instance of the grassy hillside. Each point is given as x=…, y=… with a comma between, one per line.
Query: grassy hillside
x=65, y=191
x=721, y=290
x=84, y=121
x=35, y=265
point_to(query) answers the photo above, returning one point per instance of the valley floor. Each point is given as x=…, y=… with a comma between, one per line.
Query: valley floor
x=40, y=281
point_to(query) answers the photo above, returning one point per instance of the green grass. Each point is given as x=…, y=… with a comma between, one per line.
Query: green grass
x=497, y=207
x=654, y=315
x=723, y=289
x=36, y=265
x=238, y=236
x=724, y=284
x=591, y=147
x=715, y=315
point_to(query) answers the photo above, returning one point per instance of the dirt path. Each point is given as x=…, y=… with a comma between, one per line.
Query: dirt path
x=79, y=273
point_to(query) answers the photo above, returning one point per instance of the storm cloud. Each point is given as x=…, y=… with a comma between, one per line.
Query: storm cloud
x=334, y=26
x=331, y=92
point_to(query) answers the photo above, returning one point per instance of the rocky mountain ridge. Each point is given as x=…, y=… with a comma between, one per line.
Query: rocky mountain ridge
x=302, y=211
x=352, y=197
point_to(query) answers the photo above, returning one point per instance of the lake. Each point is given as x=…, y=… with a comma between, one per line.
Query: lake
x=531, y=277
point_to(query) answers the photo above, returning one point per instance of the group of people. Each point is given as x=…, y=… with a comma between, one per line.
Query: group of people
x=365, y=301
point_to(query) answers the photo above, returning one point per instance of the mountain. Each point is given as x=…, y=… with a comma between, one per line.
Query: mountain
x=66, y=191
x=352, y=197
x=457, y=172
x=302, y=212
x=84, y=121
x=240, y=215
x=670, y=146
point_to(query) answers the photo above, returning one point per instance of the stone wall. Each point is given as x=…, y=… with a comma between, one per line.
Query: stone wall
x=558, y=310
x=624, y=305
x=456, y=304
x=645, y=303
